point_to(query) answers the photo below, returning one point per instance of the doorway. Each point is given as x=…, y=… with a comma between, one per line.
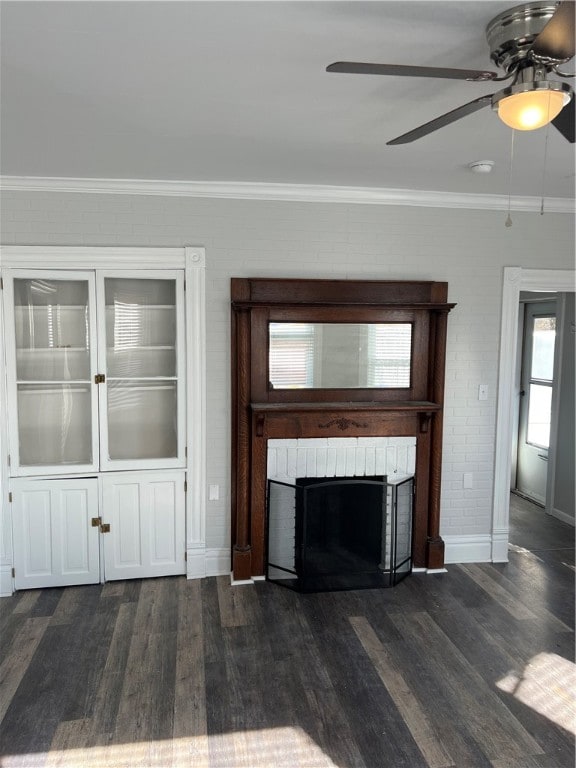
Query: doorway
x=535, y=399
x=515, y=280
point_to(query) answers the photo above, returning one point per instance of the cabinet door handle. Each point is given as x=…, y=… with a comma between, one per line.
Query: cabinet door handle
x=100, y=378
x=96, y=521
x=543, y=457
x=105, y=528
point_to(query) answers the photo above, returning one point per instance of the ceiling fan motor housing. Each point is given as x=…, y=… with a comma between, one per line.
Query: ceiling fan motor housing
x=511, y=34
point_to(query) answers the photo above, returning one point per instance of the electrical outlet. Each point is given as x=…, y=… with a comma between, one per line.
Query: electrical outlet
x=468, y=480
x=483, y=392
x=214, y=493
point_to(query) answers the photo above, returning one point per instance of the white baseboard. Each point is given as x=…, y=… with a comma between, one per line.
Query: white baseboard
x=500, y=546
x=195, y=563
x=6, y=581
x=562, y=516
x=468, y=549
x=207, y=562
x=217, y=562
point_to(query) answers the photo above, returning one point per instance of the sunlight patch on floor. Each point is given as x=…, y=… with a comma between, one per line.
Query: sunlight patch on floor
x=289, y=747
x=548, y=686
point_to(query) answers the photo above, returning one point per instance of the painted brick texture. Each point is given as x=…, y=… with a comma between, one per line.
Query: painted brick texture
x=276, y=239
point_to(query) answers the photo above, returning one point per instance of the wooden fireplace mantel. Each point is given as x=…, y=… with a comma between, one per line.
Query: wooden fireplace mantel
x=260, y=413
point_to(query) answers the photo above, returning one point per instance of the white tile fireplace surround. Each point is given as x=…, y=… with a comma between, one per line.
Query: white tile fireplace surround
x=340, y=457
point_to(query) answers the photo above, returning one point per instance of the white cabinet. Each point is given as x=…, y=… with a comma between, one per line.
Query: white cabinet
x=55, y=542
x=96, y=369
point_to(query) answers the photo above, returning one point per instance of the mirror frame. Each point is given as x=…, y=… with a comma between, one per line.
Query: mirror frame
x=259, y=332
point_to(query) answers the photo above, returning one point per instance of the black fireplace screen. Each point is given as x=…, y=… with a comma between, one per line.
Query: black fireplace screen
x=339, y=533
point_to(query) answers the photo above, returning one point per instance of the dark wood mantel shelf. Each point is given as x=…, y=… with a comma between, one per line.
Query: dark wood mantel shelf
x=260, y=413
x=351, y=405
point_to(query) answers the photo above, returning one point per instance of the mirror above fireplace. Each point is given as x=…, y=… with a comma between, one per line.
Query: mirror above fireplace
x=339, y=355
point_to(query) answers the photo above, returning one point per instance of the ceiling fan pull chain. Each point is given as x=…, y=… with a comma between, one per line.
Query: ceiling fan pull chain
x=508, y=222
x=544, y=161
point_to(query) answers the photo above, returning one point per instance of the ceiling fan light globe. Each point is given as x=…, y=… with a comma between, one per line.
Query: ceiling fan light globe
x=532, y=109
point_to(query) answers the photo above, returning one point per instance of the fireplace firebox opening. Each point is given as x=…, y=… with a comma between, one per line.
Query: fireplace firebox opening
x=339, y=534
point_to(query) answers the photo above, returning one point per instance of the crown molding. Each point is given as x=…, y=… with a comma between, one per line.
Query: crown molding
x=297, y=193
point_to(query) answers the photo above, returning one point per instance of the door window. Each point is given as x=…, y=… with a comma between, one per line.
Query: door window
x=541, y=380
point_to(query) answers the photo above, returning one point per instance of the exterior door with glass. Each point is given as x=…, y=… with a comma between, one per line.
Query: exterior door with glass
x=537, y=382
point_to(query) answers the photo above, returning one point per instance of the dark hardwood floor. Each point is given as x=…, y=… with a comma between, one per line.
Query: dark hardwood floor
x=468, y=669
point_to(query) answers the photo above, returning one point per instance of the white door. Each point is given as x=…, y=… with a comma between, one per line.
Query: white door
x=51, y=356
x=537, y=382
x=55, y=541
x=142, y=359
x=146, y=515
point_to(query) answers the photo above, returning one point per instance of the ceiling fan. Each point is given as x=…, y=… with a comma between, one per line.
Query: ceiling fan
x=528, y=42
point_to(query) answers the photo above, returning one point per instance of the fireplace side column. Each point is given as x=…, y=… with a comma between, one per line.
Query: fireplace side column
x=435, y=543
x=241, y=546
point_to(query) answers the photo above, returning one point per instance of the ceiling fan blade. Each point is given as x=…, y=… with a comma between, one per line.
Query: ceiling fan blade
x=565, y=121
x=399, y=70
x=556, y=41
x=440, y=122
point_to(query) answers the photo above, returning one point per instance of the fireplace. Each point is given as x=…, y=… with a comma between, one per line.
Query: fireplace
x=335, y=359
x=339, y=533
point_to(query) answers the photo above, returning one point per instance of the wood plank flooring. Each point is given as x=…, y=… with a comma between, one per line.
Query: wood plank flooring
x=468, y=669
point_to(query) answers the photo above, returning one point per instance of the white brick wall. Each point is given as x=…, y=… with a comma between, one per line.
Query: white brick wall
x=275, y=239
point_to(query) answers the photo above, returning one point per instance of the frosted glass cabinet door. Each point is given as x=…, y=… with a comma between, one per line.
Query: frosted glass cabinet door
x=142, y=353
x=51, y=343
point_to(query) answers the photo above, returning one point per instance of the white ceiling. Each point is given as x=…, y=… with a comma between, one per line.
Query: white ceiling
x=237, y=91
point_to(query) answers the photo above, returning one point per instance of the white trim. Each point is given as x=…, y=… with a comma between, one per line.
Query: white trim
x=218, y=561
x=563, y=516
x=6, y=581
x=500, y=545
x=435, y=570
x=312, y=193
x=90, y=257
x=561, y=317
x=515, y=279
x=6, y=549
x=195, y=563
x=468, y=549
x=196, y=398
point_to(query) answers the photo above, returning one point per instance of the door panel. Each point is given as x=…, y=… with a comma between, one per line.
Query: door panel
x=537, y=380
x=146, y=514
x=55, y=544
